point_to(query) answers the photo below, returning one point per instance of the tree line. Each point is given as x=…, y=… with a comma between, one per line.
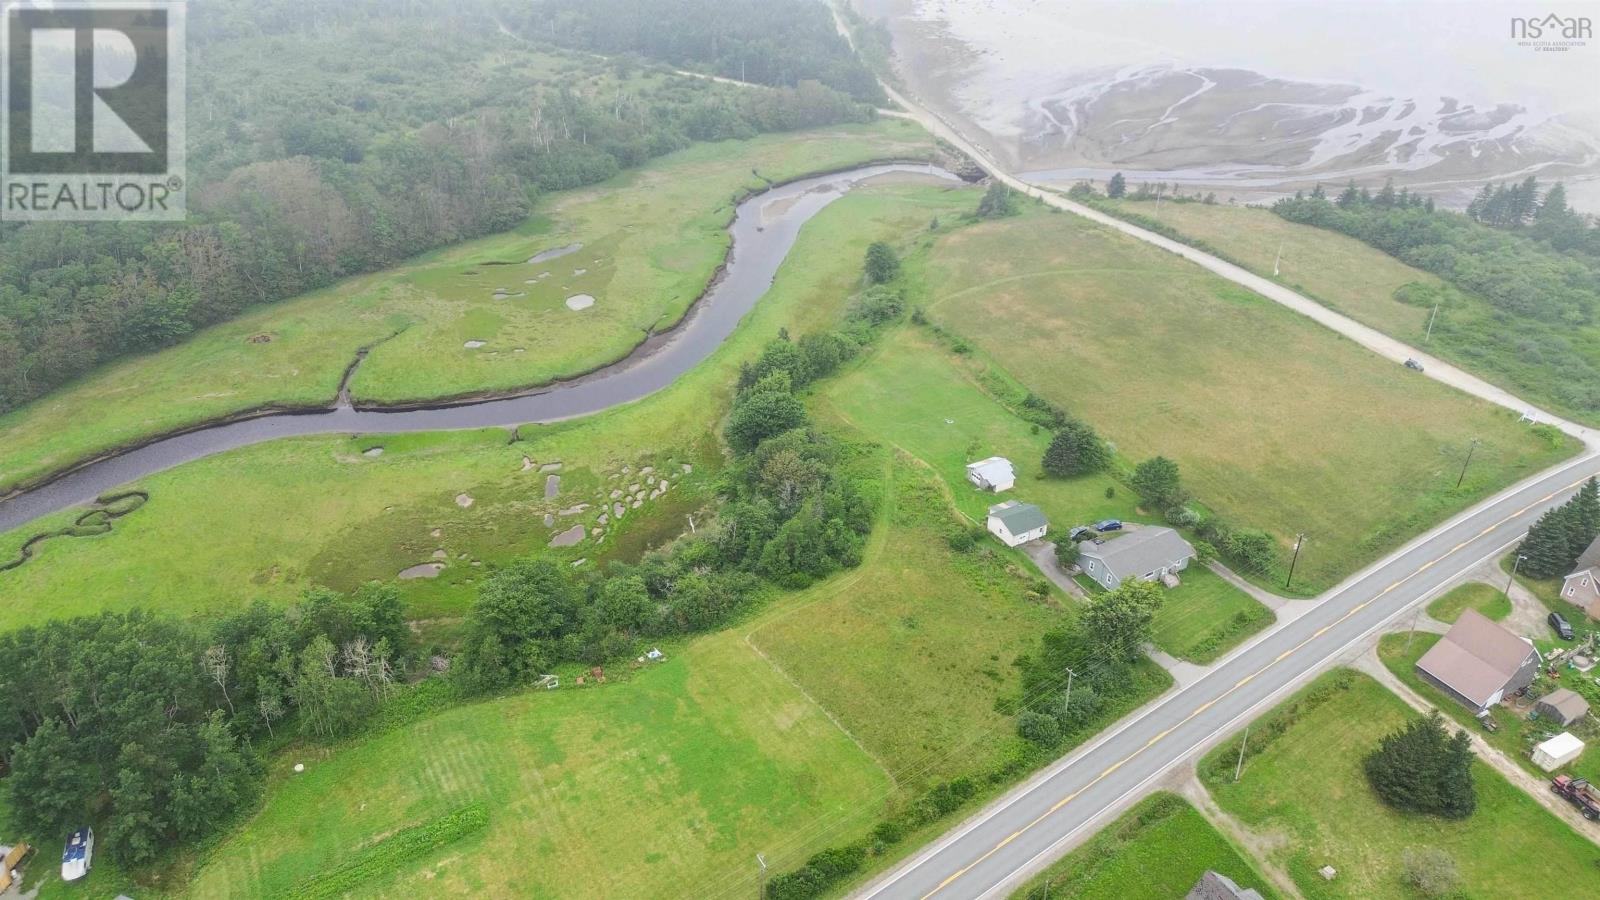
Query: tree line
x=316, y=156
x=146, y=725
x=1554, y=543
x=792, y=511
x=773, y=42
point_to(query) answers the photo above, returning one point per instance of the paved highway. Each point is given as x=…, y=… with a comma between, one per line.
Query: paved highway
x=992, y=853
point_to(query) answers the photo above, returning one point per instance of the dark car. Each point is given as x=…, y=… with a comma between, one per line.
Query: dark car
x=1108, y=525
x=1413, y=365
x=1562, y=627
x=1081, y=533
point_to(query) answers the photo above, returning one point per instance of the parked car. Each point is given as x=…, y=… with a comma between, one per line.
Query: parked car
x=1413, y=365
x=1561, y=625
x=79, y=855
x=1108, y=525
x=1081, y=533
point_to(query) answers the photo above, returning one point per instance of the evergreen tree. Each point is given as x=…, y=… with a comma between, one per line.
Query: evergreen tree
x=1386, y=197
x=1421, y=768
x=1117, y=186
x=1547, y=548
x=1349, y=196
x=1075, y=450
x=997, y=202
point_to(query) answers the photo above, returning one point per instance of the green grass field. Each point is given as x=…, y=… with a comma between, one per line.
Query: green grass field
x=916, y=396
x=1517, y=733
x=279, y=517
x=1358, y=280
x=911, y=651
x=1305, y=793
x=1338, y=271
x=1486, y=599
x=1157, y=850
x=665, y=784
x=652, y=238
x=1276, y=422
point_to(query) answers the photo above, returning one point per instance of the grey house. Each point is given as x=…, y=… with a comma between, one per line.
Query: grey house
x=1478, y=663
x=1582, y=587
x=1216, y=886
x=1144, y=553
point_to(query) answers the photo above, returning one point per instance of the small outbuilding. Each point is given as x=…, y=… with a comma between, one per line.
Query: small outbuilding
x=1015, y=522
x=1562, y=706
x=1557, y=751
x=993, y=474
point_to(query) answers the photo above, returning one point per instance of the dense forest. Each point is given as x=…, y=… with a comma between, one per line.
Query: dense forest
x=1530, y=259
x=324, y=145
x=772, y=42
x=144, y=724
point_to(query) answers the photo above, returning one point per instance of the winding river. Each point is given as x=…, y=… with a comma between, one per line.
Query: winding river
x=764, y=230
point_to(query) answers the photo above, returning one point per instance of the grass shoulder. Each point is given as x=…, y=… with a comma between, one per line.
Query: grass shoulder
x=1157, y=850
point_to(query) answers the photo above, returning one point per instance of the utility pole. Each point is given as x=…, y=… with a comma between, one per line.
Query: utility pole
x=1466, y=461
x=1413, y=629
x=762, y=862
x=1238, y=767
x=1429, y=336
x=1298, y=539
x=1512, y=577
x=1277, y=260
x=1068, y=701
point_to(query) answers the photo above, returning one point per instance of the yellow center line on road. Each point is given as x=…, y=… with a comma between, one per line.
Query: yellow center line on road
x=1241, y=683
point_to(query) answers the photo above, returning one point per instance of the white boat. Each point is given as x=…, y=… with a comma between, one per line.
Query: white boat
x=79, y=855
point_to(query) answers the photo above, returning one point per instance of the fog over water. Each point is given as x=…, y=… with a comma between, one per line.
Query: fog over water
x=1259, y=95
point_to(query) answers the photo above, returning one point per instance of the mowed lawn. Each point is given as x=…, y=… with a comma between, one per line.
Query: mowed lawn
x=1305, y=792
x=1276, y=422
x=664, y=785
x=911, y=650
x=652, y=238
x=1486, y=599
x=916, y=396
x=1156, y=851
x=271, y=520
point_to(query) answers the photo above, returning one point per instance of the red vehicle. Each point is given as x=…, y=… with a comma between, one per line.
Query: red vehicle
x=1580, y=793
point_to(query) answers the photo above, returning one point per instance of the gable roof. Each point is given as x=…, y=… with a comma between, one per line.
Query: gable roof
x=1566, y=702
x=1139, y=551
x=1019, y=517
x=1476, y=657
x=1216, y=886
x=995, y=469
x=1589, y=558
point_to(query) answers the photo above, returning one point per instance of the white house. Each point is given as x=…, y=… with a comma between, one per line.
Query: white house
x=1014, y=522
x=992, y=474
x=1148, y=554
